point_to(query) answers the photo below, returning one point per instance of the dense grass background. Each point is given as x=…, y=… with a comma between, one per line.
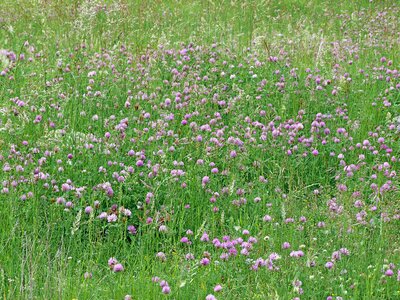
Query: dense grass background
x=235, y=24
x=46, y=247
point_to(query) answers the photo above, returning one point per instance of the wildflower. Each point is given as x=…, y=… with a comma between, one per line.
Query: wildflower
x=336, y=255
x=252, y=240
x=224, y=256
x=267, y=218
x=342, y=187
x=132, y=229
x=163, y=283
x=166, y=289
x=112, y=218
x=389, y=273
x=161, y=256
x=204, y=237
x=185, y=240
x=217, y=288
x=297, y=254
x=102, y=215
x=189, y=256
x=118, y=268
x=127, y=212
x=112, y=261
x=88, y=210
x=163, y=228
x=321, y=224
x=205, y=180
x=244, y=251
x=205, y=261
x=329, y=265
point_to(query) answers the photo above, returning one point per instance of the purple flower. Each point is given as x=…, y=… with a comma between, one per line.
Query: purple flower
x=161, y=256
x=112, y=218
x=185, y=240
x=163, y=283
x=132, y=229
x=112, y=261
x=329, y=265
x=245, y=251
x=273, y=256
x=88, y=210
x=189, y=256
x=267, y=218
x=118, y=268
x=205, y=180
x=297, y=254
x=214, y=170
x=166, y=289
x=389, y=273
x=252, y=240
x=102, y=215
x=321, y=224
x=224, y=256
x=217, y=288
x=204, y=237
x=336, y=255
x=344, y=251
x=205, y=261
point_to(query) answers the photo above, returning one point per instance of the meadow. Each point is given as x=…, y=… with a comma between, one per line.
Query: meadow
x=199, y=149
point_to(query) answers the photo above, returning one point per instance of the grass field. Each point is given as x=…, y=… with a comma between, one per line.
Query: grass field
x=199, y=149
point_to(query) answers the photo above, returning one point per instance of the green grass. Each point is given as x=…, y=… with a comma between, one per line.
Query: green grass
x=46, y=248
